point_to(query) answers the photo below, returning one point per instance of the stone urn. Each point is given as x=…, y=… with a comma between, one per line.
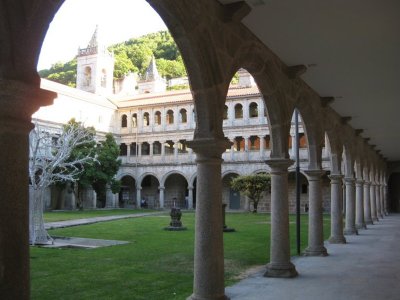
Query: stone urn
x=175, y=223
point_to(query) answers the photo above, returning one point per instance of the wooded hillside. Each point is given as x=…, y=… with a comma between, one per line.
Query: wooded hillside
x=133, y=55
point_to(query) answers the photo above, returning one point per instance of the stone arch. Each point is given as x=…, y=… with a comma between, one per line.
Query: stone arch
x=149, y=192
x=127, y=194
x=311, y=116
x=176, y=189
x=253, y=110
x=231, y=198
x=124, y=121
x=166, y=175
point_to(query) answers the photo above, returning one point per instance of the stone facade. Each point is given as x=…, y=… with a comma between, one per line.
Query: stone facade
x=214, y=45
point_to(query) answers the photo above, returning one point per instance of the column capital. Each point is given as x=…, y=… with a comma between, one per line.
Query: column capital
x=336, y=176
x=18, y=101
x=315, y=174
x=359, y=182
x=207, y=148
x=161, y=187
x=279, y=165
x=366, y=182
x=349, y=180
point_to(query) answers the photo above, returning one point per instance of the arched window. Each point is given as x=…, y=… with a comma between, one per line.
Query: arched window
x=254, y=142
x=134, y=120
x=156, y=148
x=103, y=78
x=145, y=148
x=146, y=119
x=238, y=111
x=267, y=141
x=253, y=110
x=133, y=149
x=124, y=121
x=302, y=140
x=87, y=75
x=238, y=144
x=225, y=112
x=183, y=116
x=170, y=117
x=169, y=147
x=157, y=118
x=123, y=149
x=182, y=146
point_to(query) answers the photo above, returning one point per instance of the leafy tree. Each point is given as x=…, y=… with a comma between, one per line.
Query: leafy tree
x=253, y=186
x=123, y=65
x=133, y=55
x=102, y=173
x=171, y=68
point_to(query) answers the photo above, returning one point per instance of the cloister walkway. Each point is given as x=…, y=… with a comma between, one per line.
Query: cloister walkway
x=368, y=267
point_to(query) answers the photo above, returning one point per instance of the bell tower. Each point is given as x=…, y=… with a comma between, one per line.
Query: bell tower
x=95, y=67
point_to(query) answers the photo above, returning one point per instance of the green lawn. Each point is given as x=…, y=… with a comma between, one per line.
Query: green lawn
x=157, y=264
x=55, y=216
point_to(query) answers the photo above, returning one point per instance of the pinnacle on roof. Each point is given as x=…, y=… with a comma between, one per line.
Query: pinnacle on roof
x=152, y=72
x=94, y=40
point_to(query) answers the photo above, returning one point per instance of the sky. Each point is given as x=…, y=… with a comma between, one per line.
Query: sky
x=75, y=22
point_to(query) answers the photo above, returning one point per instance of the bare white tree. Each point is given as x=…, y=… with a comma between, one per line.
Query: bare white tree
x=50, y=162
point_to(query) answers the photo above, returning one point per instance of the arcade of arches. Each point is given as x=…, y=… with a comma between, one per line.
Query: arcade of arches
x=214, y=45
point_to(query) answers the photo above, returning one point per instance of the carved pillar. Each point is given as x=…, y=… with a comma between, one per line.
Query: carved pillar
x=209, y=251
x=385, y=197
x=378, y=202
x=280, y=264
x=382, y=200
x=367, y=204
x=373, y=203
x=138, y=196
x=18, y=102
x=337, y=236
x=350, y=227
x=262, y=146
x=315, y=217
x=360, y=223
x=162, y=190
x=190, y=197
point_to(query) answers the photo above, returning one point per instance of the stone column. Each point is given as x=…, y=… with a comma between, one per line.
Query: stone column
x=139, y=148
x=360, y=223
x=382, y=200
x=367, y=204
x=110, y=198
x=190, y=196
x=373, y=203
x=350, y=227
x=151, y=149
x=280, y=264
x=138, y=196
x=337, y=236
x=385, y=197
x=18, y=102
x=378, y=202
x=246, y=147
x=262, y=146
x=161, y=189
x=315, y=218
x=209, y=251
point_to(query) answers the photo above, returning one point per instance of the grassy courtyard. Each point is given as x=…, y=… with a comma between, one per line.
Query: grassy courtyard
x=156, y=264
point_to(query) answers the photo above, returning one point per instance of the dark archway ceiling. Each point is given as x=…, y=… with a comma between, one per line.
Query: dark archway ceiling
x=352, y=50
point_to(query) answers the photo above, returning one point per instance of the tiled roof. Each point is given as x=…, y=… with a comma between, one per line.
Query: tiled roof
x=175, y=97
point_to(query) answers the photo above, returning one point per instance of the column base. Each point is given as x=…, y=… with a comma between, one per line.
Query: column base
x=194, y=297
x=361, y=226
x=350, y=231
x=337, y=240
x=316, y=251
x=375, y=219
x=277, y=270
x=369, y=222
